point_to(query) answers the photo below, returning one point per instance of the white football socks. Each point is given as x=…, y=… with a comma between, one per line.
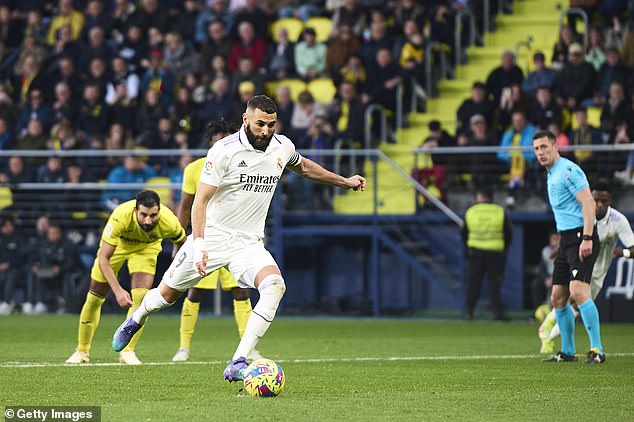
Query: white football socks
x=271, y=290
x=152, y=302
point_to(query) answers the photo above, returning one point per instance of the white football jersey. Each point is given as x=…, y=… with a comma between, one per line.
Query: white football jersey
x=246, y=179
x=612, y=227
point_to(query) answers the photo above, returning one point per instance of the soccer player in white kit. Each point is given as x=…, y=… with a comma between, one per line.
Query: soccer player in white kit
x=612, y=226
x=228, y=216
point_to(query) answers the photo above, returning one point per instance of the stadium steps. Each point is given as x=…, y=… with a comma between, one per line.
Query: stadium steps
x=538, y=19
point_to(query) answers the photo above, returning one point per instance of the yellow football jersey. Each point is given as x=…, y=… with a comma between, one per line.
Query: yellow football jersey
x=191, y=176
x=122, y=228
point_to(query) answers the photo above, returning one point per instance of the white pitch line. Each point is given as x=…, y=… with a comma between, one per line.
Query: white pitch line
x=307, y=360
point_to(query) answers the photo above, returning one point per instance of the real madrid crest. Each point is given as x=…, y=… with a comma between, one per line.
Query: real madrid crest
x=280, y=164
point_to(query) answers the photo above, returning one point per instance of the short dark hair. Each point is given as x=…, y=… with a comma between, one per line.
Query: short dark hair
x=602, y=185
x=262, y=102
x=434, y=125
x=485, y=191
x=545, y=134
x=148, y=198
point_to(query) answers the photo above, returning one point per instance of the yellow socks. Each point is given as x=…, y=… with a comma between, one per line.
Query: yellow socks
x=242, y=311
x=189, y=316
x=137, y=298
x=88, y=321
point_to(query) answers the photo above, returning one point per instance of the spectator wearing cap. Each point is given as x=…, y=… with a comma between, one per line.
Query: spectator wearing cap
x=541, y=76
x=67, y=16
x=248, y=44
x=310, y=55
x=503, y=76
x=479, y=103
x=577, y=80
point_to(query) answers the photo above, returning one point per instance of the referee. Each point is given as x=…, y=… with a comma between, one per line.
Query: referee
x=487, y=235
x=574, y=209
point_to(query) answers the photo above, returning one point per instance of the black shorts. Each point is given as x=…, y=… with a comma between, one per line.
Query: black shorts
x=567, y=264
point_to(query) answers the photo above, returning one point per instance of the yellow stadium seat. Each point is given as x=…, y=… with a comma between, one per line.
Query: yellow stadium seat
x=163, y=193
x=6, y=197
x=293, y=26
x=594, y=118
x=322, y=89
x=297, y=86
x=322, y=27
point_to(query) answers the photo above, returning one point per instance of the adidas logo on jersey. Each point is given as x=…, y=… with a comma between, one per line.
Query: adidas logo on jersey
x=242, y=164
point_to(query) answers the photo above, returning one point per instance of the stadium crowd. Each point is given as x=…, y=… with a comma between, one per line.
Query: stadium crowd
x=117, y=75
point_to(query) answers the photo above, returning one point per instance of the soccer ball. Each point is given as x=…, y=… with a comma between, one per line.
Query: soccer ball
x=264, y=378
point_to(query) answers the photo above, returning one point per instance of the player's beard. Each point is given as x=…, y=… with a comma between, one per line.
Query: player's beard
x=148, y=227
x=258, y=142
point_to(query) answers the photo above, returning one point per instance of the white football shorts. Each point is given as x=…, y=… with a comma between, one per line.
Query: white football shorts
x=243, y=255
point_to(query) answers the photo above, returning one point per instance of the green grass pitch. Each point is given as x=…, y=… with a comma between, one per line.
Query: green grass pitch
x=336, y=369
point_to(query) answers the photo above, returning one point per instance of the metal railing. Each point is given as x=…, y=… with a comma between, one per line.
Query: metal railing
x=458, y=33
x=432, y=49
x=579, y=12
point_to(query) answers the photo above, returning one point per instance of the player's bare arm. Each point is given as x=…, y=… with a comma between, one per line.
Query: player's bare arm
x=199, y=212
x=183, y=214
x=105, y=253
x=588, y=209
x=313, y=171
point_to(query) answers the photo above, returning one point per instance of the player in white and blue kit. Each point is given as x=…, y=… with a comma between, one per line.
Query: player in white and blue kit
x=229, y=211
x=612, y=226
x=574, y=209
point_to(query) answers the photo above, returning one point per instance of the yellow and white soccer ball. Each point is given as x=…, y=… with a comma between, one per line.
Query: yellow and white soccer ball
x=264, y=378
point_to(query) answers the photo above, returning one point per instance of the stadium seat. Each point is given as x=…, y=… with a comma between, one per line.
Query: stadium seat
x=296, y=86
x=321, y=25
x=293, y=26
x=322, y=89
x=6, y=197
x=594, y=118
x=164, y=193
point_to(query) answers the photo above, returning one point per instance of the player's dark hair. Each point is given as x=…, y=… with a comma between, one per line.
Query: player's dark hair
x=262, y=102
x=602, y=186
x=148, y=198
x=215, y=127
x=545, y=134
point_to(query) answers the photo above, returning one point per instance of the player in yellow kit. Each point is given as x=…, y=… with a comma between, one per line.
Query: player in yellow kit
x=216, y=130
x=133, y=233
